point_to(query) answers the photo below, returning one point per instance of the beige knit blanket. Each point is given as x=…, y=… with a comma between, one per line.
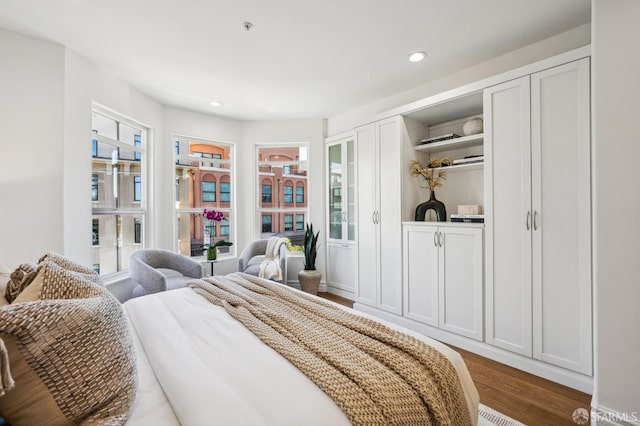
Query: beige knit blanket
x=376, y=375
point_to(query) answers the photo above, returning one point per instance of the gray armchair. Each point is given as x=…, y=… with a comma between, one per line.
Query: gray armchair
x=253, y=255
x=158, y=270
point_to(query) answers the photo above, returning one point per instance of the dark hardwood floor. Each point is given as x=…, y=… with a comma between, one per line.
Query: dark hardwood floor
x=522, y=396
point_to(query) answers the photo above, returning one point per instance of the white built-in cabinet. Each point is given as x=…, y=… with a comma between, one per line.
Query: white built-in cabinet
x=379, y=238
x=442, y=276
x=341, y=227
x=538, y=216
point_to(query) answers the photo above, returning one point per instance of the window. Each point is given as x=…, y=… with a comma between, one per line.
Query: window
x=94, y=187
x=288, y=222
x=96, y=268
x=300, y=194
x=137, y=142
x=225, y=192
x=203, y=179
x=299, y=222
x=280, y=169
x=95, y=228
x=288, y=194
x=137, y=231
x=118, y=203
x=137, y=189
x=208, y=192
x=266, y=223
x=266, y=193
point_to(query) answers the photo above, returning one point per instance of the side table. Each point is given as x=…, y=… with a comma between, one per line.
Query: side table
x=212, y=262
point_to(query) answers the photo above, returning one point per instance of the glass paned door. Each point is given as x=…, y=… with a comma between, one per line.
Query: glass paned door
x=351, y=193
x=335, y=191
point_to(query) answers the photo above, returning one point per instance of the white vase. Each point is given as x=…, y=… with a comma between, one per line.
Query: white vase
x=473, y=126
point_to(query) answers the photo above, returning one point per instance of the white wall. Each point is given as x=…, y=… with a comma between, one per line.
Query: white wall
x=616, y=100
x=31, y=122
x=555, y=45
x=86, y=83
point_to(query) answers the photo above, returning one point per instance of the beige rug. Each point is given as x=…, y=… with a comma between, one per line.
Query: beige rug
x=490, y=417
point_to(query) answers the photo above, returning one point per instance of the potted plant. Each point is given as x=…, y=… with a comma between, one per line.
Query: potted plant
x=309, y=277
x=212, y=249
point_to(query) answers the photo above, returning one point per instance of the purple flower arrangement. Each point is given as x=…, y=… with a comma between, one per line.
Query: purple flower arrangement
x=213, y=215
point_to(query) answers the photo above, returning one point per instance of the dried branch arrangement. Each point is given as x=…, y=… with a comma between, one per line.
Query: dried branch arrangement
x=433, y=178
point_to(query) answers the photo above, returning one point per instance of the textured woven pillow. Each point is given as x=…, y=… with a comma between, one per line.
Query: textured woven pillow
x=70, y=354
x=20, y=279
x=72, y=266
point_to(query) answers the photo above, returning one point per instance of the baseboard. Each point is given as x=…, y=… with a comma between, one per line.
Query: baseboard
x=340, y=292
x=538, y=368
x=603, y=416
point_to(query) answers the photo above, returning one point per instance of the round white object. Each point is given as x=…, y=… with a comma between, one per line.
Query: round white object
x=473, y=126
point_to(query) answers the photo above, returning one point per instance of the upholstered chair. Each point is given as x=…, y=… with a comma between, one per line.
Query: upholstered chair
x=158, y=270
x=254, y=253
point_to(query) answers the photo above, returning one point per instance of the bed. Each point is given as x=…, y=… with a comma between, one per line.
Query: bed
x=201, y=356
x=197, y=365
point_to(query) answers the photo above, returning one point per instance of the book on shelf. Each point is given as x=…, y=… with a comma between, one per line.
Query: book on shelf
x=439, y=138
x=470, y=159
x=467, y=218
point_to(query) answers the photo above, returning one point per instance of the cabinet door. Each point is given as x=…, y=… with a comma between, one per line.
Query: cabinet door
x=366, y=206
x=341, y=270
x=508, y=215
x=420, y=273
x=562, y=218
x=460, y=281
x=389, y=217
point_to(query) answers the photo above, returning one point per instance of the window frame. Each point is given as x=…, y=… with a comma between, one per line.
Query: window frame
x=276, y=212
x=212, y=163
x=139, y=209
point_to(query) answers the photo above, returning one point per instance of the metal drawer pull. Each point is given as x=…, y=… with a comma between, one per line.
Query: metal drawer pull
x=528, y=221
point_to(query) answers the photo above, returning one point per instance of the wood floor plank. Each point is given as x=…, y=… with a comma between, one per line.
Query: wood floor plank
x=527, y=398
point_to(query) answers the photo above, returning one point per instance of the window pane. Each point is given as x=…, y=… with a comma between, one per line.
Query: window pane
x=266, y=193
x=137, y=189
x=225, y=192
x=299, y=194
x=208, y=191
x=94, y=187
x=267, y=221
x=194, y=231
x=288, y=194
x=299, y=222
x=288, y=222
x=110, y=228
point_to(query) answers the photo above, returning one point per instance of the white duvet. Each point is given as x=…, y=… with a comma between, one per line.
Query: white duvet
x=199, y=366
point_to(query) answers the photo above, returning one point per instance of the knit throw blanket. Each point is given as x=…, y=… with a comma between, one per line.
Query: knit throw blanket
x=376, y=375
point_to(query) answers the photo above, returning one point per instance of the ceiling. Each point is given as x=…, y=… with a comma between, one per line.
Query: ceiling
x=301, y=59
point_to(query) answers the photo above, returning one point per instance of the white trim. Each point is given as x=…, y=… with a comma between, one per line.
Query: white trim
x=348, y=294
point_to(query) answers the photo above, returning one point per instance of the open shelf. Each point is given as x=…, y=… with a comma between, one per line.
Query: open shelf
x=449, y=144
x=460, y=167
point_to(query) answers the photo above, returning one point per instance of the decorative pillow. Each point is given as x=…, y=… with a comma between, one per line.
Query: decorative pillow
x=20, y=279
x=72, y=266
x=71, y=354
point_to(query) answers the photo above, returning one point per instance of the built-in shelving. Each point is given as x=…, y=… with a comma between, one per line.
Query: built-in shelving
x=459, y=167
x=449, y=144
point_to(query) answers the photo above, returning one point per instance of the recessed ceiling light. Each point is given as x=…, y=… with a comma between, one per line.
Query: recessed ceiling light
x=215, y=103
x=417, y=56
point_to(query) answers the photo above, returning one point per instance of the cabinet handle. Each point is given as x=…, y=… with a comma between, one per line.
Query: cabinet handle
x=535, y=220
x=373, y=217
x=528, y=221
x=377, y=217
x=440, y=239
x=435, y=239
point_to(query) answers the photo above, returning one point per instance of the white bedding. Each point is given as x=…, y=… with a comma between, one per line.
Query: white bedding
x=199, y=366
